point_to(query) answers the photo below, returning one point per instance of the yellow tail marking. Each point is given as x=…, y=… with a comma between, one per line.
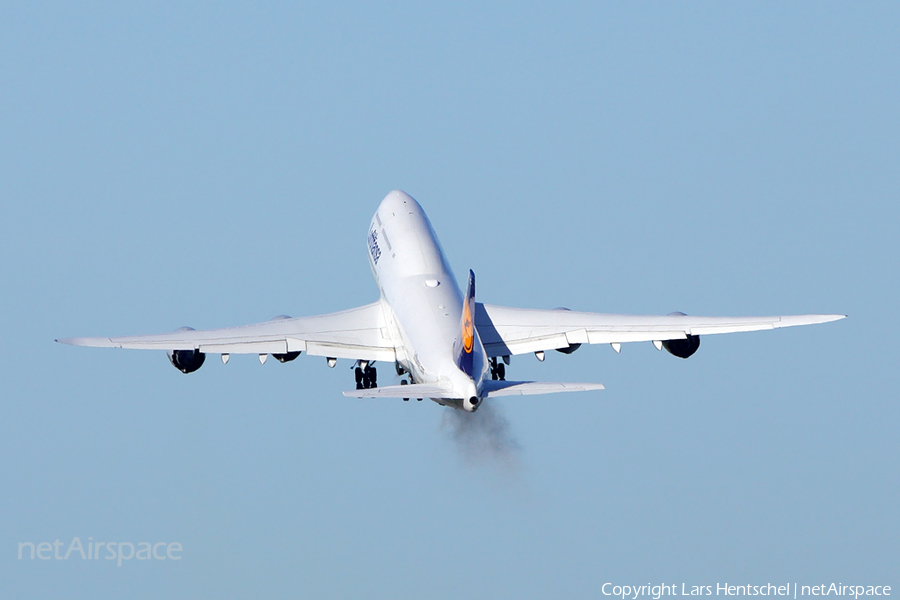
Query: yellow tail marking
x=468, y=329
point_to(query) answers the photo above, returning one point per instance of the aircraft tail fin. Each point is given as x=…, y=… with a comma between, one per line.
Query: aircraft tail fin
x=465, y=345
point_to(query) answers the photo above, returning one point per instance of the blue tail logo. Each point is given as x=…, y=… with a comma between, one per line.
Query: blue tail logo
x=465, y=346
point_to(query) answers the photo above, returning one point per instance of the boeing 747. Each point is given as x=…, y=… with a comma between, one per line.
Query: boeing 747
x=449, y=347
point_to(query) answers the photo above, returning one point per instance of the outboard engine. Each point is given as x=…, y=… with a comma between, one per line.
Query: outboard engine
x=186, y=361
x=683, y=348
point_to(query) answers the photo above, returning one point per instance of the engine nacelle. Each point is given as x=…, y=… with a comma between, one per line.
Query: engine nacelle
x=682, y=348
x=287, y=356
x=186, y=361
x=569, y=349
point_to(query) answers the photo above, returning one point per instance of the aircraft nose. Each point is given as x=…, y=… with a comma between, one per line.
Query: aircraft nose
x=397, y=201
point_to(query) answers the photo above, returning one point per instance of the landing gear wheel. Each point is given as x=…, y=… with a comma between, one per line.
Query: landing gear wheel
x=359, y=378
x=501, y=372
x=370, y=377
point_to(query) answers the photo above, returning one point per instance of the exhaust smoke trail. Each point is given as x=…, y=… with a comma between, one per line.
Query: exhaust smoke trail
x=482, y=437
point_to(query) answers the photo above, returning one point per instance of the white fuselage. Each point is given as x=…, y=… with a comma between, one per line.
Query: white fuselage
x=422, y=300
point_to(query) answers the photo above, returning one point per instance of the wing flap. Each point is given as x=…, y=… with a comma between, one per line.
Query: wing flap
x=351, y=351
x=534, y=344
x=271, y=347
x=613, y=337
x=731, y=328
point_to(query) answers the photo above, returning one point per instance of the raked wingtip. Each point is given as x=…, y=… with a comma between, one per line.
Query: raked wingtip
x=85, y=341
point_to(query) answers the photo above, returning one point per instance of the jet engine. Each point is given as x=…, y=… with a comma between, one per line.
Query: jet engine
x=186, y=361
x=571, y=347
x=683, y=348
x=287, y=356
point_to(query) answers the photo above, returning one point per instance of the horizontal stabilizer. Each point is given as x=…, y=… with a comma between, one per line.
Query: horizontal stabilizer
x=416, y=390
x=494, y=389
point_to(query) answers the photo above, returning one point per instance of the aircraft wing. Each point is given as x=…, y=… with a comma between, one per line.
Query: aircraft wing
x=358, y=333
x=505, y=331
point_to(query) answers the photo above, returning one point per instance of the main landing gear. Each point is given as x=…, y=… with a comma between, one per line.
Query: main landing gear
x=498, y=369
x=366, y=376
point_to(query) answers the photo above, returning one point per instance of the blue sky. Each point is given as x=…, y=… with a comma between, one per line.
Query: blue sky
x=208, y=165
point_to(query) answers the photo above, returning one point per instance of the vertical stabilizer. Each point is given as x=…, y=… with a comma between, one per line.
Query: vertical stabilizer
x=465, y=345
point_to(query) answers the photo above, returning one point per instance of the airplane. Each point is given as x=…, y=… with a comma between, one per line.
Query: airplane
x=451, y=348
